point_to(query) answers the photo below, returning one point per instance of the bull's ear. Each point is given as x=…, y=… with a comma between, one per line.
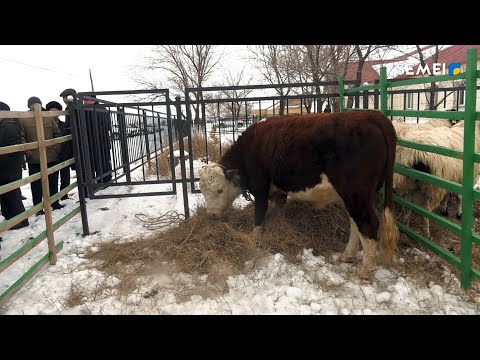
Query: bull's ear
x=233, y=176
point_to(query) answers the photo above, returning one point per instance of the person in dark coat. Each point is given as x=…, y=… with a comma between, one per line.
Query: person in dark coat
x=65, y=172
x=11, y=133
x=98, y=128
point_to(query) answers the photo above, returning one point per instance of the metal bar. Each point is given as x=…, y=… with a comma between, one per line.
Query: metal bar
x=436, y=78
x=418, y=106
x=146, y=132
x=170, y=145
x=468, y=180
x=449, y=225
x=115, y=196
x=429, y=178
x=219, y=133
x=269, y=86
x=444, y=254
x=181, y=127
x=73, y=122
x=189, y=137
x=383, y=90
x=362, y=88
x=435, y=114
x=441, y=150
x=341, y=92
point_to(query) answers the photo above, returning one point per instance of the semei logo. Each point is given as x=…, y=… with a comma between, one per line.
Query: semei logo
x=436, y=69
x=454, y=69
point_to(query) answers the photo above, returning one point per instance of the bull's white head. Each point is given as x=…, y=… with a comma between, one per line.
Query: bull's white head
x=220, y=187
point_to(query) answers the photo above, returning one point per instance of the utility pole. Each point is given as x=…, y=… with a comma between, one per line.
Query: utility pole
x=91, y=81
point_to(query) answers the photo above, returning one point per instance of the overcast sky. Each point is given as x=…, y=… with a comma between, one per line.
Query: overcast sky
x=45, y=70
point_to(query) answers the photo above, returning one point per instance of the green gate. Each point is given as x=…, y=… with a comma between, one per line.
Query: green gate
x=470, y=115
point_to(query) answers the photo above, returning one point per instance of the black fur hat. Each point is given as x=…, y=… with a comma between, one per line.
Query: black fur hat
x=4, y=107
x=67, y=92
x=53, y=105
x=34, y=100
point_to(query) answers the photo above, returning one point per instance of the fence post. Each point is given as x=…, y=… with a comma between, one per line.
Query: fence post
x=122, y=130
x=375, y=96
x=181, y=133
x=383, y=90
x=145, y=130
x=357, y=96
x=72, y=109
x=42, y=149
x=341, y=91
x=468, y=162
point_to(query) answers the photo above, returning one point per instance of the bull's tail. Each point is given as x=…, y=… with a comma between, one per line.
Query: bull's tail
x=387, y=230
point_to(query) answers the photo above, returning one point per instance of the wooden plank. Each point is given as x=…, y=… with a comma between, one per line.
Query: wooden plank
x=29, y=114
x=16, y=184
x=45, y=188
x=17, y=254
x=20, y=147
x=5, y=225
x=12, y=258
x=33, y=145
x=12, y=290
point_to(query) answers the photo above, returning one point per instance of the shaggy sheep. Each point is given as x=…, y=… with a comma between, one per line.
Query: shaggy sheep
x=402, y=128
x=448, y=168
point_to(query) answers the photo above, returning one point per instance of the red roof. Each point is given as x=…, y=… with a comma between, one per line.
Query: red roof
x=368, y=73
x=454, y=53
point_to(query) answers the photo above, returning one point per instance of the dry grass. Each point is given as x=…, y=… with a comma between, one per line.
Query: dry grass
x=75, y=297
x=220, y=249
x=199, y=152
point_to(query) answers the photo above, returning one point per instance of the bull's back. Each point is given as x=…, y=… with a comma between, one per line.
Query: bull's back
x=296, y=151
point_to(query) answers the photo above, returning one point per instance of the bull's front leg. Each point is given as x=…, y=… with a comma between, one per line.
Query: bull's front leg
x=261, y=206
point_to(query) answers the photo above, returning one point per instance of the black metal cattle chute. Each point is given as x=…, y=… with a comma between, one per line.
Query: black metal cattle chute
x=117, y=144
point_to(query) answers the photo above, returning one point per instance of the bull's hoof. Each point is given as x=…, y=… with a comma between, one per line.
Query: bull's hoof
x=346, y=258
x=365, y=273
x=459, y=217
x=444, y=213
x=257, y=232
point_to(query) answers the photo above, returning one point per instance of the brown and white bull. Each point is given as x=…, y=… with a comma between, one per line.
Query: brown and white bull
x=317, y=158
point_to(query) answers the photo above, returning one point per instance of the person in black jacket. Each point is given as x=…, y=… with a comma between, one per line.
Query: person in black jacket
x=65, y=172
x=11, y=133
x=67, y=148
x=98, y=128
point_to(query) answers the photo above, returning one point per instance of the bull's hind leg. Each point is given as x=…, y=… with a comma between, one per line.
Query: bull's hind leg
x=351, y=250
x=363, y=214
x=278, y=199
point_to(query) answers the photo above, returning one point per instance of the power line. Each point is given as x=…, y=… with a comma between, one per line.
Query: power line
x=38, y=67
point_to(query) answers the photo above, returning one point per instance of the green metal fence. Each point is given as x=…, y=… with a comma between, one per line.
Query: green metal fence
x=470, y=115
x=50, y=227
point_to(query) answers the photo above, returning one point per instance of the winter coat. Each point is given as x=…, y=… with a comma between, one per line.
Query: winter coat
x=11, y=133
x=51, y=131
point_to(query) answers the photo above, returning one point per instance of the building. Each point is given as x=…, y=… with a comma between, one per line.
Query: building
x=448, y=99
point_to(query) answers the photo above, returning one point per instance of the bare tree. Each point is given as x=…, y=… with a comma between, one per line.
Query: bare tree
x=184, y=66
x=337, y=60
x=236, y=106
x=273, y=63
x=431, y=96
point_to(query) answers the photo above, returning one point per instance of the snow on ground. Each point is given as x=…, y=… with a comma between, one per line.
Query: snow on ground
x=274, y=286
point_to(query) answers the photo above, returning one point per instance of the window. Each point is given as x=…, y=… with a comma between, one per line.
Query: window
x=461, y=97
x=409, y=101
